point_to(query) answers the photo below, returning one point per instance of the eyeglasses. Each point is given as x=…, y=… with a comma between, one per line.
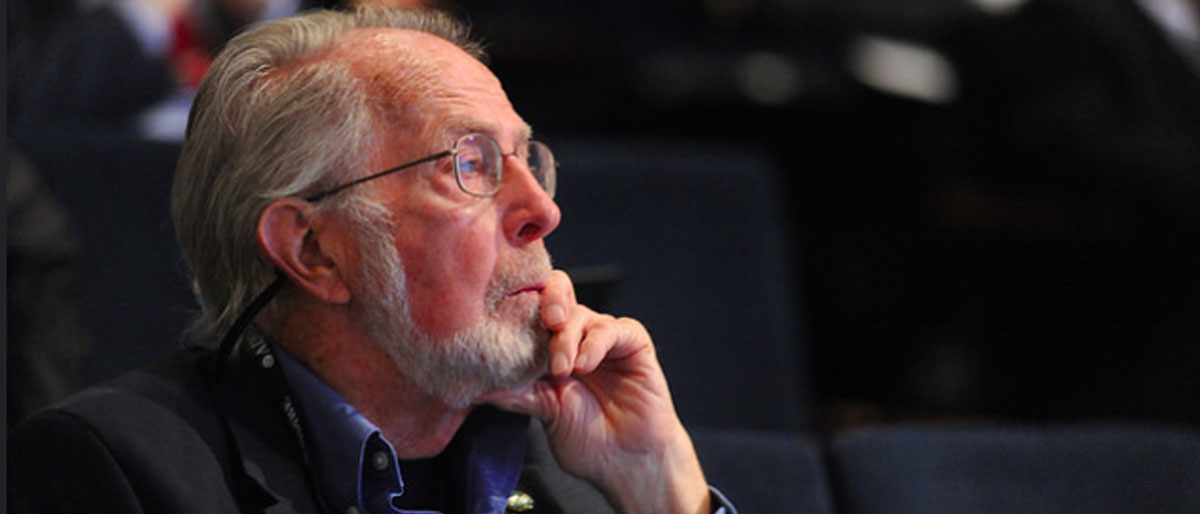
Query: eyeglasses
x=478, y=166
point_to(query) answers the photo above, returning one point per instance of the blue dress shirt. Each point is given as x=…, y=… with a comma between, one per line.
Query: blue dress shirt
x=357, y=471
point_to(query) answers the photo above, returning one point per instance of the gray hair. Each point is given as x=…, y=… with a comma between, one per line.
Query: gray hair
x=277, y=116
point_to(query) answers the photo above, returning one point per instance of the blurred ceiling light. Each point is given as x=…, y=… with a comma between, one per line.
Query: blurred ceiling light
x=999, y=7
x=903, y=68
x=767, y=78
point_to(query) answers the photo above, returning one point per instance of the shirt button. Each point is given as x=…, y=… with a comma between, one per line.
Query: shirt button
x=380, y=460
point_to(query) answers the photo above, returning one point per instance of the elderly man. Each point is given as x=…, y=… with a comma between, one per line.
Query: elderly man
x=385, y=335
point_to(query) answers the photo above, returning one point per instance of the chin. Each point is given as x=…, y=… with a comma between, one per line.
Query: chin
x=488, y=356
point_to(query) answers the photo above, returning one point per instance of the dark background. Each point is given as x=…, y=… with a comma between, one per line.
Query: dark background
x=1018, y=244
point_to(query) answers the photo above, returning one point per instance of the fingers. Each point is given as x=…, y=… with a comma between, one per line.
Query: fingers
x=560, y=316
x=609, y=339
x=582, y=338
x=564, y=345
x=581, y=344
x=558, y=297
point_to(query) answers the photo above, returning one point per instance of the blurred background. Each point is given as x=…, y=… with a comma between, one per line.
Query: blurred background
x=829, y=213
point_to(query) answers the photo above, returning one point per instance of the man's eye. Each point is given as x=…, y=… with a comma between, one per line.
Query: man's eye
x=470, y=165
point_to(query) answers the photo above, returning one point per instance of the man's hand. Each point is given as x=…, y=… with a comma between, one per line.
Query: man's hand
x=607, y=409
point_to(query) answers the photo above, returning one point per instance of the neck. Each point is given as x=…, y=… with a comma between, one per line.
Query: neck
x=416, y=423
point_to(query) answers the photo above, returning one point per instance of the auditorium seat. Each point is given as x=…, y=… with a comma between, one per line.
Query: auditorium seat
x=687, y=238
x=133, y=296
x=1044, y=470
x=765, y=472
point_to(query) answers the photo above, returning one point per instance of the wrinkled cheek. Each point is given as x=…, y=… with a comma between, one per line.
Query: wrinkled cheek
x=453, y=269
x=439, y=309
x=443, y=317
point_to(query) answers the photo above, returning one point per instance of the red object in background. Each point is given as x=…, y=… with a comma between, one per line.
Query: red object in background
x=189, y=56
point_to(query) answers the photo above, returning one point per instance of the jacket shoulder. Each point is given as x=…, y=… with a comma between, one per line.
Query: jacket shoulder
x=146, y=442
x=57, y=462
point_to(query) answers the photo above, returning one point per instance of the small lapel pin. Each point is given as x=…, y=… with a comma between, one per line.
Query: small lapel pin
x=518, y=501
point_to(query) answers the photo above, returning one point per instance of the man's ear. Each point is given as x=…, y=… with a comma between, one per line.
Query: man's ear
x=287, y=235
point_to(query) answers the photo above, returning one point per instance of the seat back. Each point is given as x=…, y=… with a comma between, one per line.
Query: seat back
x=765, y=472
x=134, y=299
x=1097, y=470
x=688, y=238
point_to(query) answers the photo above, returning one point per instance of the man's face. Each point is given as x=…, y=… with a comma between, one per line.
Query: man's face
x=498, y=351
x=472, y=267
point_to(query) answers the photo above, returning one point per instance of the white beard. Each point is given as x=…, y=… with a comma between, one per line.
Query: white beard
x=491, y=354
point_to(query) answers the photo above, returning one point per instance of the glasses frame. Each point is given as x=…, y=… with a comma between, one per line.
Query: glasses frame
x=453, y=151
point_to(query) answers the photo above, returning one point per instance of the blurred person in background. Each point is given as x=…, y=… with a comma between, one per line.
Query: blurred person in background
x=45, y=344
x=123, y=67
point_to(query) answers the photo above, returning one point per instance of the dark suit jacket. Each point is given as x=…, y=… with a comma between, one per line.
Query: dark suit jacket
x=153, y=441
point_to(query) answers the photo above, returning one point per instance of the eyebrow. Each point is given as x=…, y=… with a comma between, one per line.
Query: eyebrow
x=458, y=126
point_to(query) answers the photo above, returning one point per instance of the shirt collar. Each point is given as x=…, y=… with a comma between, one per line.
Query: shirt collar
x=348, y=452
x=355, y=466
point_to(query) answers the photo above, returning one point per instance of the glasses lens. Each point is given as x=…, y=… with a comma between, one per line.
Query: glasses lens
x=477, y=164
x=541, y=163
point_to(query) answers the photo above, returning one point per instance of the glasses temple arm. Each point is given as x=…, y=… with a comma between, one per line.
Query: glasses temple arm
x=338, y=189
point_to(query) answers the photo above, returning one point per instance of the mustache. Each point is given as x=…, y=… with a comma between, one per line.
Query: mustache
x=528, y=267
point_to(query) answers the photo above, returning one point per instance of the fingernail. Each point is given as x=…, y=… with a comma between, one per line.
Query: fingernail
x=555, y=314
x=559, y=366
x=581, y=362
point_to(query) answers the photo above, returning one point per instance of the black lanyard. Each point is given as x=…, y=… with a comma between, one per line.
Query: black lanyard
x=268, y=364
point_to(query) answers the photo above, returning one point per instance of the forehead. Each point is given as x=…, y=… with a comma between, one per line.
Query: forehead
x=423, y=78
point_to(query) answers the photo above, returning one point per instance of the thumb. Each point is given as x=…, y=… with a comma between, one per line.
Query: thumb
x=531, y=400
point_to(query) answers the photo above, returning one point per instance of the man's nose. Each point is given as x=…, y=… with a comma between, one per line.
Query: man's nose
x=529, y=212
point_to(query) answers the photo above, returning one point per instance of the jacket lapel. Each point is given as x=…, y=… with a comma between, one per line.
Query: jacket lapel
x=552, y=488
x=276, y=478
